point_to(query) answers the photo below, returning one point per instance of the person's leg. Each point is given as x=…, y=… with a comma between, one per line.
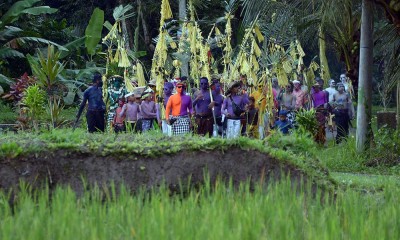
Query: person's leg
x=237, y=125
x=91, y=119
x=100, y=122
x=229, y=128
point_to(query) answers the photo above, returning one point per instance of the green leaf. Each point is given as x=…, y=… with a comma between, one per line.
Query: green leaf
x=10, y=53
x=93, y=30
x=71, y=46
x=23, y=40
x=9, y=31
x=15, y=10
x=4, y=79
x=40, y=10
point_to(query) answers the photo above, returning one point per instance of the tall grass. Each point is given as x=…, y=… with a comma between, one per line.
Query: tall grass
x=274, y=212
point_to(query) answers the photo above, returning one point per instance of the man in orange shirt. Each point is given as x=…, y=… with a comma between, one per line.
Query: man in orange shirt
x=179, y=106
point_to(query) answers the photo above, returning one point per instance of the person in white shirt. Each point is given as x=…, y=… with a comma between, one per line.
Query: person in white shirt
x=331, y=89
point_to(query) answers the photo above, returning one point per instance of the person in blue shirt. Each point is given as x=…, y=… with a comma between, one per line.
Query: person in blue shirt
x=283, y=124
x=96, y=106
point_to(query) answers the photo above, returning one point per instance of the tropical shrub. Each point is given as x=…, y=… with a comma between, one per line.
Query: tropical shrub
x=33, y=102
x=306, y=122
x=17, y=89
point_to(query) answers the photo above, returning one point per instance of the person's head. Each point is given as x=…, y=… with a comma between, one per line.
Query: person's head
x=289, y=87
x=97, y=79
x=274, y=82
x=137, y=98
x=296, y=84
x=316, y=87
x=260, y=87
x=282, y=115
x=216, y=87
x=300, y=77
x=332, y=83
x=203, y=83
x=320, y=81
x=233, y=87
x=168, y=87
x=130, y=97
x=252, y=101
x=121, y=102
x=147, y=96
x=340, y=87
x=343, y=78
x=152, y=85
x=180, y=87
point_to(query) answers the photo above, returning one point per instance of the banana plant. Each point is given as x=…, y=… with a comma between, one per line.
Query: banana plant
x=12, y=37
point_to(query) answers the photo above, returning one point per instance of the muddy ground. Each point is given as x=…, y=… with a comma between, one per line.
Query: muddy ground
x=69, y=168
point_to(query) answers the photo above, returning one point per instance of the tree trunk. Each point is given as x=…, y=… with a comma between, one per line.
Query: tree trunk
x=136, y=42
x=182, y=18
x=146, y=34
x=364, y=130
x=398, y=105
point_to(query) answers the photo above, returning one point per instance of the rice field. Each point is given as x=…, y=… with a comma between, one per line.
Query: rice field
x=215, y=211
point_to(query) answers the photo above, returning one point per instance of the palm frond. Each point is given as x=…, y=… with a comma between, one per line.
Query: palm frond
x=24, y=40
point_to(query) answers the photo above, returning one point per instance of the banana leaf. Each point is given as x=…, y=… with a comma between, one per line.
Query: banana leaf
x=93, y=30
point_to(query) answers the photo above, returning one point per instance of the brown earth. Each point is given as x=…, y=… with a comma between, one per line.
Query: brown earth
x=69, y=168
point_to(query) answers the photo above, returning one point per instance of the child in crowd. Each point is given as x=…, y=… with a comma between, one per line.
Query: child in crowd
x=283, y=124
x=148, y=111
x=119, y=121
x=130, y=111
x=252, y=119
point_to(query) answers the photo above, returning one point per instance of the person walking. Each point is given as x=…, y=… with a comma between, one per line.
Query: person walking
x=234, y=109
x=179, y=106
x=96, y=106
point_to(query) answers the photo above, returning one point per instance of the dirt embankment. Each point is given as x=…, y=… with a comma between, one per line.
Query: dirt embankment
x=69, y=168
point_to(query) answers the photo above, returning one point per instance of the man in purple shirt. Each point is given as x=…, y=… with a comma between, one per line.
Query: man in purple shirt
x=218, y=99
x=202, y=105
x=233, y=108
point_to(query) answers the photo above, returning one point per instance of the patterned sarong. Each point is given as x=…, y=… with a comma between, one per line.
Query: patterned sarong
x=181, y=125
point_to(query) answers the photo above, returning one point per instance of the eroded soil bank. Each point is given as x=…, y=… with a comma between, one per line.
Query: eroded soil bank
x=69, y=168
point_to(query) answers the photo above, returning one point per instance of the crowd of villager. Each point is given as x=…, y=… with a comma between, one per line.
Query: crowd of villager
x=214, y=109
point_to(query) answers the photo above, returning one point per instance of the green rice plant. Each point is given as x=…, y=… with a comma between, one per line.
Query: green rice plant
x=223, y=212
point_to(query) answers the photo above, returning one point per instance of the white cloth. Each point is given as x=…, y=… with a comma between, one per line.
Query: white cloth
x=166, y=128
x=233, y=128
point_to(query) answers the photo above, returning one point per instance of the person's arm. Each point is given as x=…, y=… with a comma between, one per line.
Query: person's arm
x=190, y=108
x=293, y=103
x=168, y=108
x=145, y=111
x=224, y=108
x=122, y=113
x=83, y=104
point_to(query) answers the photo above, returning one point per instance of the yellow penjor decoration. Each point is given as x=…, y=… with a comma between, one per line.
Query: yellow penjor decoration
x=227, y=49
x=140, y=75
x=247, y=60
x=160, y=53
x=115, y=40
x=325, y=74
